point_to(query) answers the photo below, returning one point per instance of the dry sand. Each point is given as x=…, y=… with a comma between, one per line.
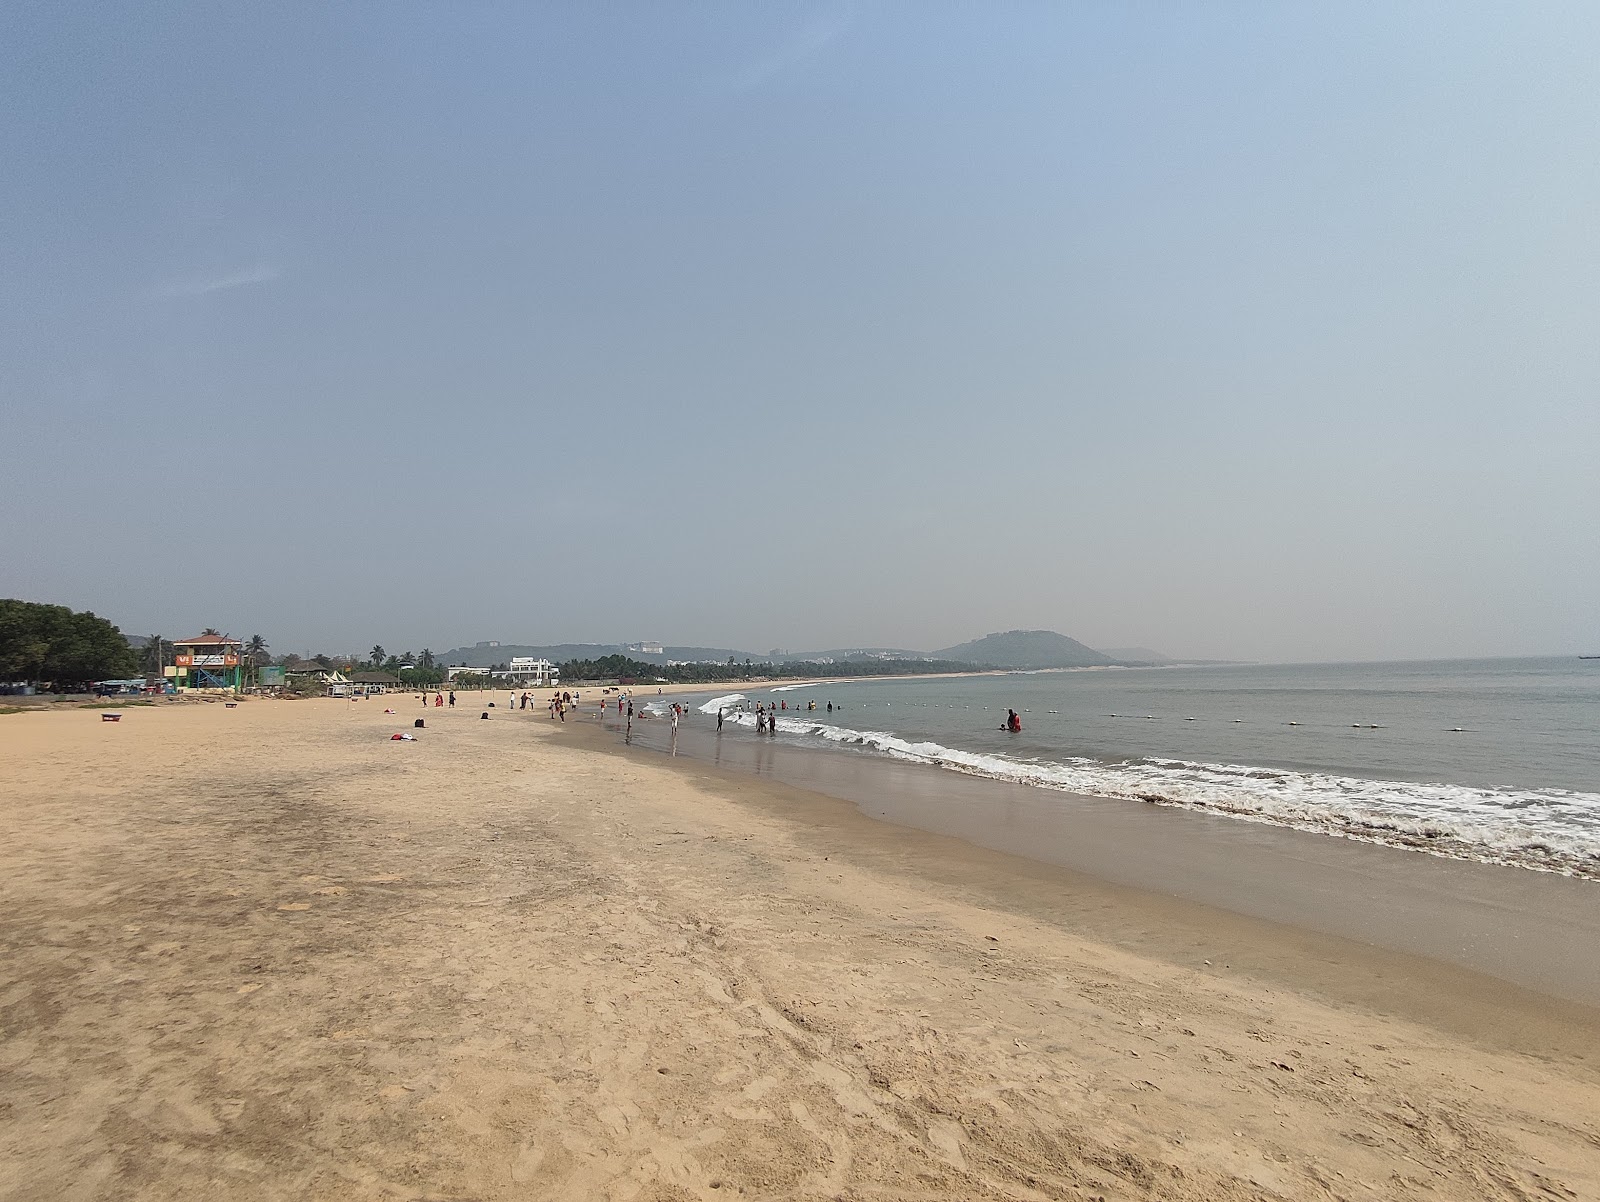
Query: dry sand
x=267, y=953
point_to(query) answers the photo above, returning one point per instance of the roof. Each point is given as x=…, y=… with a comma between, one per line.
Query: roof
x=208, y=640
x=374, y=678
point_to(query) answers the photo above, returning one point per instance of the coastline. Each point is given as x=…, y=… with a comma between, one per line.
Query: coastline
x=512, y=959
x=1511, y=923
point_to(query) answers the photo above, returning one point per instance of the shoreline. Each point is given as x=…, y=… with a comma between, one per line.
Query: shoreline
x=514, y=959
x=1508, y=923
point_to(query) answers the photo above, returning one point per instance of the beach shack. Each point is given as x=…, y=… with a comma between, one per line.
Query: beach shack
x=207, y=661
x=373, y=683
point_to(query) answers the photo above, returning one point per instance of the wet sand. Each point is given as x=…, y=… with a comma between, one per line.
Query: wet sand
x=268, y=953
x=1511, y=923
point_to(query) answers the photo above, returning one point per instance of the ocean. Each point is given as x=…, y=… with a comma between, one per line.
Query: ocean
x=1492, y=760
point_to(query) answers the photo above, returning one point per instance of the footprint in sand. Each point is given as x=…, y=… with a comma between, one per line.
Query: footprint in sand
x=251, y=988
x=295, y=906
x=329, y=891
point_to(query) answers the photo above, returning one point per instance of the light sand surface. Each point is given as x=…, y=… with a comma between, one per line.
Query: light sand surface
x=267, y=953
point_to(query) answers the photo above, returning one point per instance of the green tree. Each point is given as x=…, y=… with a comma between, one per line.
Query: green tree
x=427, y=659
x=377, y=655
x=52, y=643
x=153, y=658
x=212, y=631
x=255, y=654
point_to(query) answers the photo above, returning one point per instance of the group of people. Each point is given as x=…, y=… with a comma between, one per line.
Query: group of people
x=438, y=700
x=767, y=713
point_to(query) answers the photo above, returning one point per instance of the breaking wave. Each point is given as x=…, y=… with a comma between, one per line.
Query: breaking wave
x=1553, y=830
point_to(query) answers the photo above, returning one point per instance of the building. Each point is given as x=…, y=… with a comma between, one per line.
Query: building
x=525, y=670
x=374, y=682
x=207, y=661
x=647, y=647
x=463, y=671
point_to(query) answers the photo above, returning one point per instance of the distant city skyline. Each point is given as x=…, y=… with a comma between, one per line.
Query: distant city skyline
x=1236, y=332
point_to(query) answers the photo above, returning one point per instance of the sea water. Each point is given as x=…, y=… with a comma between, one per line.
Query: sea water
x=1496, y=760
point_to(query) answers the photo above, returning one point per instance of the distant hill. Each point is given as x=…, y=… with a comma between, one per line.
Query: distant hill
x=558, y=653
x=848, y=653
x=1013, y=649
x=1137, y=655
x=1026, y=649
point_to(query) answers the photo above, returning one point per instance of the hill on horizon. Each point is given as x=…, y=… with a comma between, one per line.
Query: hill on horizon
x=1026, y=649
x=559, y=653
x=1009, y=649
x=1137, y=655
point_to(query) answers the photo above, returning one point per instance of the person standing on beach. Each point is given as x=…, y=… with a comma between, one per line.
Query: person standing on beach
x=719, y=718
x=452, y=699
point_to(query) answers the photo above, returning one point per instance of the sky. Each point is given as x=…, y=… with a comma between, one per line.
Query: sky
x=1234, y=330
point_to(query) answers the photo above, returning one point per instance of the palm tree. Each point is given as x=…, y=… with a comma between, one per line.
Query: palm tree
x=255, y=653
x=377, y=655
x=212, y=631
x=427, y=659
x=153, y=655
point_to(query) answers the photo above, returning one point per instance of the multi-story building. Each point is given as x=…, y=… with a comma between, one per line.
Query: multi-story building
x=207, y=661
x=525, y=670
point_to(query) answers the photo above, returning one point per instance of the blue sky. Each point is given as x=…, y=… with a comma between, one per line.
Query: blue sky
x=1242, y=330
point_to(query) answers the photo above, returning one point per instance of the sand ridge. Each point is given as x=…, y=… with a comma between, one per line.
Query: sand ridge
x=266, y=952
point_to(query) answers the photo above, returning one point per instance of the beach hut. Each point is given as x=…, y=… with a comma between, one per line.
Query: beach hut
x=207, y=661
x=373, y=682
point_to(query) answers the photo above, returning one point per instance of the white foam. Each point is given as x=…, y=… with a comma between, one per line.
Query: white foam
x=1555, y=830
x=810, y=684
x=717, y=703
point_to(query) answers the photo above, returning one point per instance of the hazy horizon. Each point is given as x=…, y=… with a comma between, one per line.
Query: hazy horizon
x=1235, y=333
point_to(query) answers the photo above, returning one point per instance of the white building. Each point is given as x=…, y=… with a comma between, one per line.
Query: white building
x=645, y=648
x=461, y=670
x=525, y=670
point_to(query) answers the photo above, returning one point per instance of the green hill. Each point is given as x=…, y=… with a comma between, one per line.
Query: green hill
x=1026, y=649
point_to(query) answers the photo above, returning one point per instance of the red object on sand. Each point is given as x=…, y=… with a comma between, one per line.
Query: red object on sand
x=111, y=717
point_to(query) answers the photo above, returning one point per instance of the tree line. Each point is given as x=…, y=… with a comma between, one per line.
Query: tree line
x=625, y=670
x=51, y=644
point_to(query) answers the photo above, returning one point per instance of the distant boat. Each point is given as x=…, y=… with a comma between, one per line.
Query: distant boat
x=1589, y=657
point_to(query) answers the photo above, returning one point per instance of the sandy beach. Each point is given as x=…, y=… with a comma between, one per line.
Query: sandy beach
x=267, y=952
